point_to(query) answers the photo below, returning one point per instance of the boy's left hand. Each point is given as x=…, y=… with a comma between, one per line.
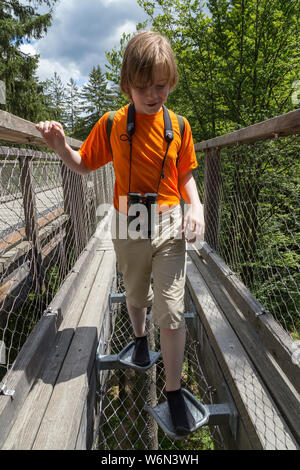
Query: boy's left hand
x=193, y=223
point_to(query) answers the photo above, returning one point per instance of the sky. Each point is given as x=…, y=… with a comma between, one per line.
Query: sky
x=81, y=32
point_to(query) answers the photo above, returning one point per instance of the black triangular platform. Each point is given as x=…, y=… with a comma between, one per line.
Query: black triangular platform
x=122, y=360
x=124, y=357
x=162, y=415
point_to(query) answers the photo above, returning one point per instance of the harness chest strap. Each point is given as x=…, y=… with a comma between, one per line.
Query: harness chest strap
x=110, y=121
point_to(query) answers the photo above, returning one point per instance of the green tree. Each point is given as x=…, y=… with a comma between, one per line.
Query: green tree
x=236, y=65
x=55, y=98
x=72, y=104
x=97, y=98
x=19, y=24
x=114, y=58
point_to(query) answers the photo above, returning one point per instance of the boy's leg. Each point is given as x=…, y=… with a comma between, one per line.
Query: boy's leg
x=169, y=269
x=172, y=343
x=140, y=355
x=138, y=319
x=134, y=259
x=172, y=346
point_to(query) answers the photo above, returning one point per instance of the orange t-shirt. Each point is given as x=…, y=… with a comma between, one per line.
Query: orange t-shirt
x=148, y=150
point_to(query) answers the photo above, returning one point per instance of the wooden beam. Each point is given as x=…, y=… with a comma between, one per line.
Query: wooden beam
x=62, y=419
x=286, y=397
x=279, y=126
x=18, y=236
x=29, y=419
x=28, y=364
x=266, y=427
x=276, y=339
x=18, y=130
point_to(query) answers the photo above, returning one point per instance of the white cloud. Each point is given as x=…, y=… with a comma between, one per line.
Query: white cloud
x=127, y=28
x=48, y=67
x=80, y=34
x=28, y=49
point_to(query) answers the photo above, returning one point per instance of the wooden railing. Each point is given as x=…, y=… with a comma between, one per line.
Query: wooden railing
x=240, y=345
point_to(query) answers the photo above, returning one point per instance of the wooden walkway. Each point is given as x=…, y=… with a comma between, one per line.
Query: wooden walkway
x=54, y=377
x=12, y=212
x=49, y=399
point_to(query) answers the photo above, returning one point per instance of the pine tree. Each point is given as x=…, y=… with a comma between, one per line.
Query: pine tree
x=72, y=105
x=97, y=98
x=55, y=98
x=19, y=24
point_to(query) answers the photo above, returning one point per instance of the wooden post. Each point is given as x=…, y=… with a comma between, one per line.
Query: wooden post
x=97, y=191
x=74, y=192
x=151, y=424
x=31, y=220
x=81, y=209
x=212, y=188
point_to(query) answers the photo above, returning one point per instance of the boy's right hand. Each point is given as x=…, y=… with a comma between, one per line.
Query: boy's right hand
x=53, y=134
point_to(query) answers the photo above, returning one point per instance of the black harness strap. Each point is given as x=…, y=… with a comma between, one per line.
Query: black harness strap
x=130, y=128
x=109, y=125
x=168, y=133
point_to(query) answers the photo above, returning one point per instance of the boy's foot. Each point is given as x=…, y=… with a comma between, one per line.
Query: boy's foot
x=140, y=355
x=182, y=418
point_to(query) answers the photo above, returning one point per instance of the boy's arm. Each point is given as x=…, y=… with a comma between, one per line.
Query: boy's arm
x=55, y=138
x=193, y=222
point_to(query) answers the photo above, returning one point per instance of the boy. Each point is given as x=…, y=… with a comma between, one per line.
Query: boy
x=146, y=162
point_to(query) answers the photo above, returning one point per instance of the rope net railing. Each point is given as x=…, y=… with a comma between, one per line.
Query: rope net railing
x=124, y=423
x=253, y=221
x=47, y=215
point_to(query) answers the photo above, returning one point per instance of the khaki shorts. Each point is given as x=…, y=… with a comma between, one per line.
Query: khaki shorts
x=164, y=256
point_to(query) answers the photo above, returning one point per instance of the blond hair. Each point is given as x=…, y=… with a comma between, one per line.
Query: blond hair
x=143, y=53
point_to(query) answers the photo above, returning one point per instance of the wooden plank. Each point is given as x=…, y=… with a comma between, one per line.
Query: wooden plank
x=89, y=419
x=24, y=371
x=65, y=294
x=213, y=373
x=61, y=423
x=28, y=421
x=284, y=125
x=286, y=397
x=15, y=279
x=15, y=129
x=13, y=284
x=266, y=428
x=30, y=359
x=16, y=237
x=14, y=257
x=276, y=340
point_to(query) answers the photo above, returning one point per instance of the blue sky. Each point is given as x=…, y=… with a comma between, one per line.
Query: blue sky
x=81, y=32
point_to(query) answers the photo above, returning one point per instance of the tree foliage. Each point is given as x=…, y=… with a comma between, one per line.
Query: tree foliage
x=237, y=66
x=19, y=24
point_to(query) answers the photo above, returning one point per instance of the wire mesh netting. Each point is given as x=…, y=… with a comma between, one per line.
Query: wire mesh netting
x=47, y=215
x=124, y=423
x=255, y=228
